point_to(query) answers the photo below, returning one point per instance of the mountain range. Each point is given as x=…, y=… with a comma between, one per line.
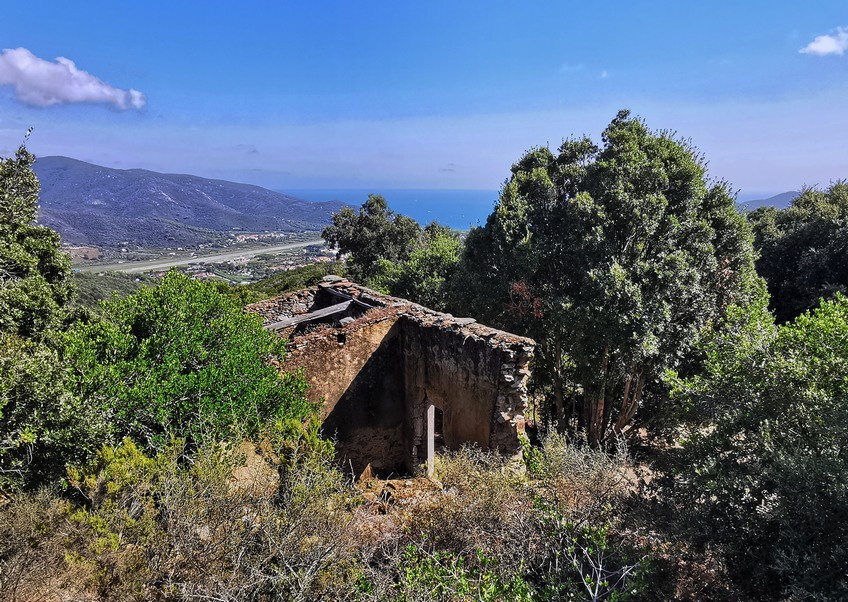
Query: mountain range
x=93, y=205
x=780, y=201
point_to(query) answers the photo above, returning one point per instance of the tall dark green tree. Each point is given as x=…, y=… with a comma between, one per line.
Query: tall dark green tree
x=614, y=258
x=35, y=282
x=41, y=425
x=804, y=249
x=372, y=234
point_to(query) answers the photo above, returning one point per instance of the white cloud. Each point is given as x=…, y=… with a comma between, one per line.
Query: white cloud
x=604, y=74
x=41, y=83
x=828, y=44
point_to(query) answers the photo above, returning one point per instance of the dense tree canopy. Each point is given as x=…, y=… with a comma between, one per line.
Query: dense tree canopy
x=391, y=252
x=768, y=481
x=425, y=275
x=613, y=257
x=804, y=249
x=372, y=234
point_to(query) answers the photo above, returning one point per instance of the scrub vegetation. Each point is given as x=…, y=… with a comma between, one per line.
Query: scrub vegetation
x=690, y=381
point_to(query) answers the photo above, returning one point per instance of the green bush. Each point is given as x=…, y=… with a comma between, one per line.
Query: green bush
x=42, y=425
x=181, y=359
x=767, y=481
x=440, y=575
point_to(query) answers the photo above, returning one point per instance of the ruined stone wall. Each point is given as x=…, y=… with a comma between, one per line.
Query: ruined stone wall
x=356, y=373
x=477, y=376
x=377, y=374
x=284, y=306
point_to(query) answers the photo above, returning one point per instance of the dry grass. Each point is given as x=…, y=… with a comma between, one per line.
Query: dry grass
x=166, y=529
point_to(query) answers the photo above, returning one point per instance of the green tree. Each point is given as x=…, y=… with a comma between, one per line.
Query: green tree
x=373, y=234
x=768, y=481
x=35, y=282
x=182, y=359
x=41, y=425
x=424, y=276
x=803, y=249
x=614, y=258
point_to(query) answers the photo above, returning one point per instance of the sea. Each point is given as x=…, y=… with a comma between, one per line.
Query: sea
x=459, y=209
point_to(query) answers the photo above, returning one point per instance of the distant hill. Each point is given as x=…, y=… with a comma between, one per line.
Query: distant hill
x=90, y=204
x=780, y=201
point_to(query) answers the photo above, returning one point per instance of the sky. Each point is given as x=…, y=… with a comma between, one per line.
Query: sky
x=382, y=95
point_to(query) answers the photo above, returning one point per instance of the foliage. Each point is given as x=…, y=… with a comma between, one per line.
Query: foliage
x=29, y=547
x=42, y=425
x=803, y=249
x=424, y=276
x=614, y=258
x=35, y=282
x=176, y=526
x=181, y=359
x=584, y=550
x=391, y=252
x=373, y=234
x=495, y=534
x=768, y=481
x=441, y=575
x=159, y=527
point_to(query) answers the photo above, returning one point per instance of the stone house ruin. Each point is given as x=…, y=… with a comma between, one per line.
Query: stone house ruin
x=396, y=380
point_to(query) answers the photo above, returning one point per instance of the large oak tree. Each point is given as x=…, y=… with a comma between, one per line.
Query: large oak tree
x=613, y=257
x=374, y=233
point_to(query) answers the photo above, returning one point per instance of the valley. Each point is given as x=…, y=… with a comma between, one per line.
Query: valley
x=185, y=259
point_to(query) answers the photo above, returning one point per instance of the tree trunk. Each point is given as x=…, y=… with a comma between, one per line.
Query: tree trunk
x=553, y=362
x=630, y=400
x=558, y=402
x=594, y=408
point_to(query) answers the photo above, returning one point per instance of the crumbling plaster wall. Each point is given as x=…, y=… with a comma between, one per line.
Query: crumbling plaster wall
x=356, y=373
x=476, y=375
x=377, y=374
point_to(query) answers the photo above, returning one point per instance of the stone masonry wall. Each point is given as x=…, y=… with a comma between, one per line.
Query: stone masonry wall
x=376, y=375
x=284, y=306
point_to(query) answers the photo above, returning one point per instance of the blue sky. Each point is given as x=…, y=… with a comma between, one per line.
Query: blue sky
x=423, y=95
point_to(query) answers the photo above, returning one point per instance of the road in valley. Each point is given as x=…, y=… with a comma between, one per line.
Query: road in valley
x=156, y=265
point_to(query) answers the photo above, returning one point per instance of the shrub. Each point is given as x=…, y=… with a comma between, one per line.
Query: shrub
x=42, y=425
x=767, y=482
x=168, y=526
x=182, y=359
x=494, y=534
x=31, y=547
